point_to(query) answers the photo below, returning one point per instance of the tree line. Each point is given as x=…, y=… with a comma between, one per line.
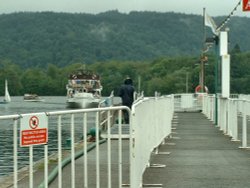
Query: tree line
x=166, y=75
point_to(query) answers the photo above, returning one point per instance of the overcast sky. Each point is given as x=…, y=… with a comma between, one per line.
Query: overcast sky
x=213, y=7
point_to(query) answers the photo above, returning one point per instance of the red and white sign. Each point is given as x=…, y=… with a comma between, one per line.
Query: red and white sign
x=246, y=5
x=34, y=130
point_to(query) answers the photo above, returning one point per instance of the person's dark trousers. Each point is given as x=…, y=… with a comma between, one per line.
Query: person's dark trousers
x=125, y=116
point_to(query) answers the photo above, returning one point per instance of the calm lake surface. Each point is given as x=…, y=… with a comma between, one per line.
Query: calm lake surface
x=18, y=106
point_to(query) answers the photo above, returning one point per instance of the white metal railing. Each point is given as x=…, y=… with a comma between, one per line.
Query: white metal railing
x=150, y=116
x=188, y=102
x=233, y=115
x=151, y=123
x=77, y=121
x=208, y=106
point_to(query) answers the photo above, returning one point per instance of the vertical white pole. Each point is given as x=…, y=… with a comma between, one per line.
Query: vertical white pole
x=120, y=147
x=46, y=166
x=244, y=125
x=225, y=90
x=31, y=166
x=225, y=61
x=212, y=108
x=15, y=153
x=59, y=135
x=234, y=122
x=85, y=151
x=72, y=152
x=224, y=112
x=97, y=151
x=223, y=43
x=132, y=168
x=229, y=117
x=109, y=150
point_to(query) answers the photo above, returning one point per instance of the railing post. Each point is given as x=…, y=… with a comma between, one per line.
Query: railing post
x=45, y=166
x=109, y=148
x=244, y=125
x=31, y=166
x=72, y=151
x=15, y=153
x=97, y=150
x=85, y=159
x=59, y=136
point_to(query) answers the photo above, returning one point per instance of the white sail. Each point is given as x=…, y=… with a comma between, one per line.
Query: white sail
x=7, y=95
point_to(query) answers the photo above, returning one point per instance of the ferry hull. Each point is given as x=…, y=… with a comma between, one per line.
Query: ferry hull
x=82, y=103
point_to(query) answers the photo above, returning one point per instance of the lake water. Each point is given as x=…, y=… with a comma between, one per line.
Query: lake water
x=18, y=106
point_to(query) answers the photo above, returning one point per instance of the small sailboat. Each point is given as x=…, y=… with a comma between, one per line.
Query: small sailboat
x=7, y=98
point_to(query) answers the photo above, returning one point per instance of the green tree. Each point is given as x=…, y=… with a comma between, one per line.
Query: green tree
x=11, y=72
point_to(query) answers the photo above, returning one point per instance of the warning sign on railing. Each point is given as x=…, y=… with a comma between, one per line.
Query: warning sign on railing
x=34, y=130
x=246, y=5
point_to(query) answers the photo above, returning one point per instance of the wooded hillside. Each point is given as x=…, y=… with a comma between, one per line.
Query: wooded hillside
x=39, y=50
x=39, y=39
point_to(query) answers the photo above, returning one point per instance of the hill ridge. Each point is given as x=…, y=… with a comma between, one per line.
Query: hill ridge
x=41, y=38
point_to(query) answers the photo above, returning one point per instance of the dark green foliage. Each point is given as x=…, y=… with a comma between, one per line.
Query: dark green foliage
x=164, y=75
x=240, y=71
x=39, y=39
x=39, y=50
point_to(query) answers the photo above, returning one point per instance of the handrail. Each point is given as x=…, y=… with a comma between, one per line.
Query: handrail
x=230, y=110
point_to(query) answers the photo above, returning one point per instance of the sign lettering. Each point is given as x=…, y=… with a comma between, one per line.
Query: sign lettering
x=34, y=130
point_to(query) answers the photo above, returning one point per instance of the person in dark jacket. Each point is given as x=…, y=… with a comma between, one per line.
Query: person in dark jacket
x=127, y=95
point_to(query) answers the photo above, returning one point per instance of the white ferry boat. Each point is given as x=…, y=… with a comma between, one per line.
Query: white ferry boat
x=83, y=90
